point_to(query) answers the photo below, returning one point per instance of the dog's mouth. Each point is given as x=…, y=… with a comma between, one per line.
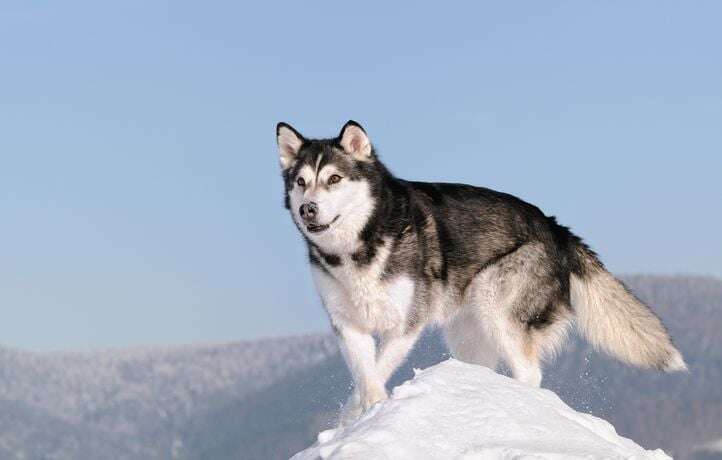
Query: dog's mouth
x=315, y=228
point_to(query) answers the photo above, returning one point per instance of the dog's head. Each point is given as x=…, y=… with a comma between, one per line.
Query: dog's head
x=328, y=184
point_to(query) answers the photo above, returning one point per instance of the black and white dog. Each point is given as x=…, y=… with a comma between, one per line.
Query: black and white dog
x=390, y=257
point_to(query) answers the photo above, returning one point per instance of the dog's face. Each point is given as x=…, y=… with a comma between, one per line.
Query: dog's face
x=327, y=188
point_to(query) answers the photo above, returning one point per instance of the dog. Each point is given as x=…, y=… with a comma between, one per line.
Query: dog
x=504, y=281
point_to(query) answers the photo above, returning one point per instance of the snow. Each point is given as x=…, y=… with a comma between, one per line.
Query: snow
x=456, y=410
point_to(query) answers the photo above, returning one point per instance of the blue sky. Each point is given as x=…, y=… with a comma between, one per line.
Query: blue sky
x=140, y=197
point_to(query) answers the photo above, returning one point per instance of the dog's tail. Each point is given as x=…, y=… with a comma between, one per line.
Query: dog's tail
x=614, y=320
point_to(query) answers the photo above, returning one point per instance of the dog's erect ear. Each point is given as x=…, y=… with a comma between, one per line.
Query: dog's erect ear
x=290, y=142
x=355, y=142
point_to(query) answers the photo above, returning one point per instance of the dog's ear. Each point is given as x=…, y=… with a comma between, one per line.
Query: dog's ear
x=290, y=142
x=355, y=142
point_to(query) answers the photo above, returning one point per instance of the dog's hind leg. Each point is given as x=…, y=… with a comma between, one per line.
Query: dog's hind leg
x=526, y=342
x=530, y=326
x=520, y=353
x=524, y=306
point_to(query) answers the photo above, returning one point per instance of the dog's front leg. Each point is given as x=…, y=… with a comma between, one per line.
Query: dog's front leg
x=359, y=351
x=395, y=347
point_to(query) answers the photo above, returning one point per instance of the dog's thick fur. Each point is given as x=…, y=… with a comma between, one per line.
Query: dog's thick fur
x=390, y=256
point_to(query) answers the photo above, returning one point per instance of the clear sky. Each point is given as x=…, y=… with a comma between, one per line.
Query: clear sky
x=140, y=197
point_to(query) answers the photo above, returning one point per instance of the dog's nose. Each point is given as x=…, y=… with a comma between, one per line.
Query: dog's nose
x=308, y=211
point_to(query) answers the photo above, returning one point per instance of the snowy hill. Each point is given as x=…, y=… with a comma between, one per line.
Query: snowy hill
x=455, y=410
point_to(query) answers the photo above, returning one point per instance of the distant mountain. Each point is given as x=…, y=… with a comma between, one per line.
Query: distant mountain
x=267, y=399
x=134, y=403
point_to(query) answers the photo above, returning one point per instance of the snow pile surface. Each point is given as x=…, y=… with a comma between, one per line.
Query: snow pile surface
x=456, y=410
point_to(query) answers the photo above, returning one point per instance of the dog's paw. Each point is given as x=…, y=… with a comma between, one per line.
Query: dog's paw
x=357, y=405
x=372, y=396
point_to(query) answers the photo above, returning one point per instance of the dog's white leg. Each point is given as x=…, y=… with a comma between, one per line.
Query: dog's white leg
x=394, y=349
x=525, y=366
x=519, y=351
x=359, y=350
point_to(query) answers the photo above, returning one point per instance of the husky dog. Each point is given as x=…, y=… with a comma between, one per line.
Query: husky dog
x=390, y=256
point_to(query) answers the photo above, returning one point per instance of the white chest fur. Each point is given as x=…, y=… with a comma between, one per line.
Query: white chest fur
x=359, y=296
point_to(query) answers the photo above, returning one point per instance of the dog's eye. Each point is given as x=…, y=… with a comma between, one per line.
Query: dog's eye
x=301, y=182
x=335, y=179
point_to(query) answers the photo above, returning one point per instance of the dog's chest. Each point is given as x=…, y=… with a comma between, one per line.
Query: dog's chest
x=361, y=296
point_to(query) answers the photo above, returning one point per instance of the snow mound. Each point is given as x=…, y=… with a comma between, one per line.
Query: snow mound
x=456, y=410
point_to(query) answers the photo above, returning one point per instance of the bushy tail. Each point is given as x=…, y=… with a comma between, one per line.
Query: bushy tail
x=614, y=320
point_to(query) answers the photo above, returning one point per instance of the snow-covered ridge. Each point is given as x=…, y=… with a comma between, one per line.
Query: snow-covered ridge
x=461, y=411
